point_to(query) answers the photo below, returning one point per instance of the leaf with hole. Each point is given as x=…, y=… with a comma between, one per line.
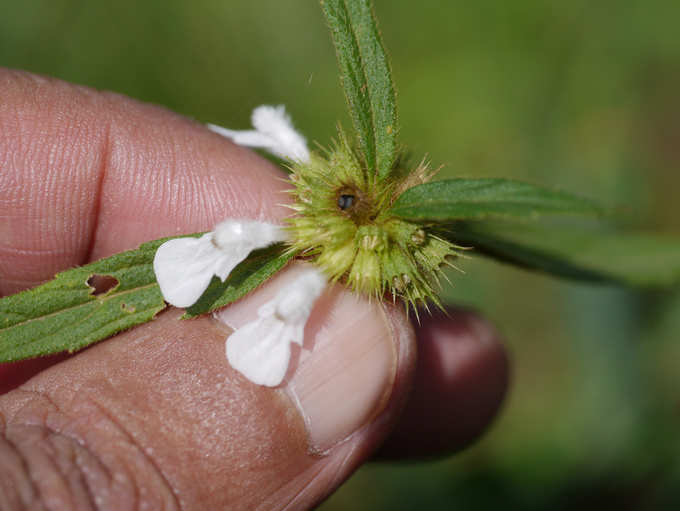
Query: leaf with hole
x=87, y=304
x=81, y=306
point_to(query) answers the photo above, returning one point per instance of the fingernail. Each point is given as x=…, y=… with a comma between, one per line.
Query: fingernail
x=346, y=378
x=344, y=373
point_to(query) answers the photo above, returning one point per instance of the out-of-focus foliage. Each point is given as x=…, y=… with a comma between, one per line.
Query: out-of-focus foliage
x=578, y=95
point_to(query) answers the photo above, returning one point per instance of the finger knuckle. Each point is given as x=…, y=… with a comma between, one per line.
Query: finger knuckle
x=53, y=460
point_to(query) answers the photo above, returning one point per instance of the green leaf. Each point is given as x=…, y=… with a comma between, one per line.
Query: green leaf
x=66, y=314
x=366, y=80
x=256, y=269
x=462, y=199
x=577, y=252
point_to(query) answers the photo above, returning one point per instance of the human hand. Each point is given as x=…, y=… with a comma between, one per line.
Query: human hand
x=155, y=416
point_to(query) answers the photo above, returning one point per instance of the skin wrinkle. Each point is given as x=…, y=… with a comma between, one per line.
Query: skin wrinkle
x=104, y=152
x=56, y=426
x=63, y=452
x=41, y=150
x=34, y=455
x=60, y=453
x=73, y=472
x=62, y=137
x=144, y=454
x=26, y=498
x=82, y=472
x=19, y=492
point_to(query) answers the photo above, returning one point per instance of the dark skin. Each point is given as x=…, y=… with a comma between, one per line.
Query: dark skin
x=155, y=415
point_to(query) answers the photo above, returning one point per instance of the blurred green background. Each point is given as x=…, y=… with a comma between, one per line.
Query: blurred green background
x=581, y=95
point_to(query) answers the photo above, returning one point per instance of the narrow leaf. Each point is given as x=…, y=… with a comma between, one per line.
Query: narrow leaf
x=256, y=269
x=67, y=313
x=583, y=253
x=366, y=80
x=462, y=199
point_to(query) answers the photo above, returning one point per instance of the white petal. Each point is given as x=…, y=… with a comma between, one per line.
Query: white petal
x=271, y=120
x=237, y=238
x=275, y=122
x=184, y=268
x=274, y=132
x=260, y=350
x=246, y=138
x=231, y=233
x=294, y=302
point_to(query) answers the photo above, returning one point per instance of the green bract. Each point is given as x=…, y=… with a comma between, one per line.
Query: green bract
x=344, y=224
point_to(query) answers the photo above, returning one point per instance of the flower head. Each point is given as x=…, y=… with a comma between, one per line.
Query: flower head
x=342, y=223
x=342, y=219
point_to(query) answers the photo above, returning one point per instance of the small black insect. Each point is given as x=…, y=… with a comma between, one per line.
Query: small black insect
x=345, y=201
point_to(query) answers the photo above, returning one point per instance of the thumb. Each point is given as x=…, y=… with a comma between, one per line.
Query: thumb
x=157, y=417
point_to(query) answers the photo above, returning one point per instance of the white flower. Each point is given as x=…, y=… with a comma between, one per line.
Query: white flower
x=185, y=266
x=260, y=350
x=273, y=131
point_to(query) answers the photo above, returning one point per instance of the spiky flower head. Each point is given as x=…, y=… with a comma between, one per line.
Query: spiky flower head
x=343, y=224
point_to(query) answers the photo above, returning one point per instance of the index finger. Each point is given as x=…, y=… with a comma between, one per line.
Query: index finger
x=86, y=174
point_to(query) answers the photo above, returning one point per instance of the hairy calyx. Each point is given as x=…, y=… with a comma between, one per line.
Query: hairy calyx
x=343, y=224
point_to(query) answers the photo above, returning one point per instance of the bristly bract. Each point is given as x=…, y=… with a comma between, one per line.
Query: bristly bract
x=343, y=224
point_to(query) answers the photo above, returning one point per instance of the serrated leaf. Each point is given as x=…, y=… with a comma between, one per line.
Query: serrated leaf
x=65, y=314
x=577, y=252
x=463, y=199
x=366, y=80
x=257, y=268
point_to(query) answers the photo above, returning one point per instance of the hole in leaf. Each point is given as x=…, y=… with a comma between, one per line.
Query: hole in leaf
x=101, y=284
